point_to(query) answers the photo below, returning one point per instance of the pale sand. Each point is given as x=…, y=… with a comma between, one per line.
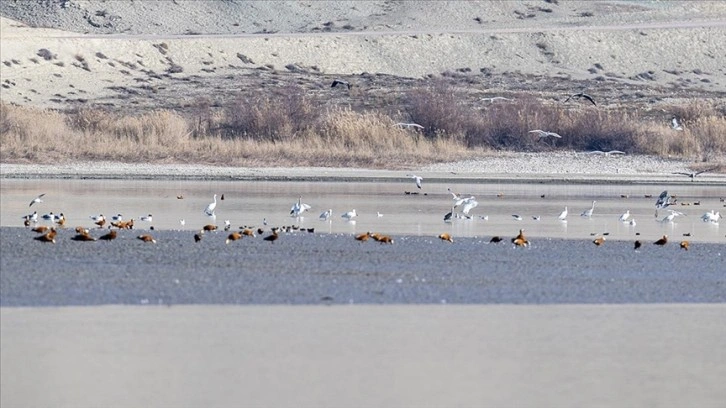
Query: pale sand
x=365, y=356
x=408, y=39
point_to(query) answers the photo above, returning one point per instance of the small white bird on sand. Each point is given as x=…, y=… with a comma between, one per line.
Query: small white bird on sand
x=625, y=216
x=146, y=218
x=350, y=215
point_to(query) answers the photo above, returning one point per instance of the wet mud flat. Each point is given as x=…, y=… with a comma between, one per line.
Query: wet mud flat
x=306, y=268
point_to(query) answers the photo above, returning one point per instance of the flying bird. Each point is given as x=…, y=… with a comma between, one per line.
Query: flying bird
x=495, y=98
x=664, y=200
x=36, y=200
x=416, y=179
x=341, y=82
x=581, y=95
x=610, y=153
x=543, y=134
x=694, y=174
x=409, y=126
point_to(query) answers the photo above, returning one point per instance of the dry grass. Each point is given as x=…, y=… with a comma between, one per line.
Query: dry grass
x=288, y=129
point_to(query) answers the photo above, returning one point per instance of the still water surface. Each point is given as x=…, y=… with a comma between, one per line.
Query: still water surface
x=251, y=202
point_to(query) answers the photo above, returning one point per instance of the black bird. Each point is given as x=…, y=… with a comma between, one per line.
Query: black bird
x=637, y=245
x=581, y=95
x=340, y=82
x=694, y=174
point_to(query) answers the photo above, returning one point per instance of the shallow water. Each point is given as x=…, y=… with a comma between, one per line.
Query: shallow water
x=248, y=203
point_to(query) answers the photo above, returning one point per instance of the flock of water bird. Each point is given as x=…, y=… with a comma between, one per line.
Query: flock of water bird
x=462, y=207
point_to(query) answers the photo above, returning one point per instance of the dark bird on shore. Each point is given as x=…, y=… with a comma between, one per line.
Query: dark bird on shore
x=520, y=236
x=37, y=199
x=446, y=237
x=637, y=245
x=180, y=197
x=273, y=237
x=84, y=236
x=363, y=237
x=147, y=238
x=385, y=239
x=694, y=174
x=233, y=237
x=47, y=237
x=197, y=237
x=662, y=241
x=108, y=237
x=41, y=229
x=209, y=227
x=341, y=82
x=581, y=95
x=496, y=239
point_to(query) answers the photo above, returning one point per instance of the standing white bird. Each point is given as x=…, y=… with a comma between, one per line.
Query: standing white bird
x=299, y=208
x=350, y=215
x=36, y=200
x=210, y=208
x=325, y=215
x=632, y=222
x=227, y=225
x=416, y=179
x=563, y=215
x=625, y=216
x=117, y=217
x=588, y=213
